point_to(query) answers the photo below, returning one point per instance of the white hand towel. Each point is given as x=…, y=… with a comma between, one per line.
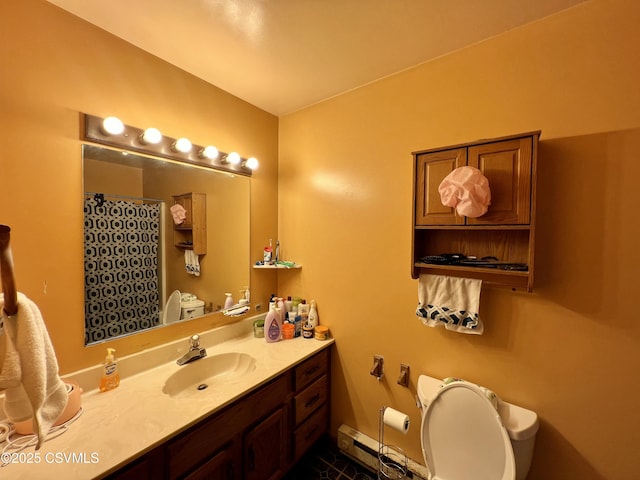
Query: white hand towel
x=450, y=301
x=30, y=370
x=191, y=263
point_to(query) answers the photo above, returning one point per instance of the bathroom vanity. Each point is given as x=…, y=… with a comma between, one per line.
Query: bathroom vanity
x=257, y=437
x=252, y=422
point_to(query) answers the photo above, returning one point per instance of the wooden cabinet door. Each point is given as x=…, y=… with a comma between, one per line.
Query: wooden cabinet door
x=224, y=465
x=507, y=166
x=187, y=204
x=265, y=448
x=431, y=168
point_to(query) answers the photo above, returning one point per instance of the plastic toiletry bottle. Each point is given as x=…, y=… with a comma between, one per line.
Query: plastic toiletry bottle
x=295, y=301
x=288, y=304
x=280, y=306
x=273, y=325
x=273, y=301
x=277, y=250
x=228, y=302
x=268, y=251
x=110, y=376
x=243, y=297
x=297, y=323
x=303, y=311
x=313, y=319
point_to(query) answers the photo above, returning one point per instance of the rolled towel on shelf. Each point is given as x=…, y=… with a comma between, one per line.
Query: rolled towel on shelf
x=450, y=302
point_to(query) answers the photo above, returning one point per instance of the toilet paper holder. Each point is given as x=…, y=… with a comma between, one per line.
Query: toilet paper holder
x=378, y=367
x=392, y=461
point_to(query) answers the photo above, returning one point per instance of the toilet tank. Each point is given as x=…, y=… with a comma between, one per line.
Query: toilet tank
x=521, y=424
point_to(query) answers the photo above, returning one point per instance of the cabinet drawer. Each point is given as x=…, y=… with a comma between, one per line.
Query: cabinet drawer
x=310, y=369
x=310, y=431
x=310, y=399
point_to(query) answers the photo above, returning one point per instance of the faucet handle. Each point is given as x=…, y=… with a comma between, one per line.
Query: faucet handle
x=194, y=341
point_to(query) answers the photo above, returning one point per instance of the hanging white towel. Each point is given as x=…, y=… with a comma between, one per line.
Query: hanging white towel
x=450, y=301
x=191, y=263
x=30, y=370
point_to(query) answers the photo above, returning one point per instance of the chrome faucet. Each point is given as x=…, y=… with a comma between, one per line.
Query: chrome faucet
x=195, y=351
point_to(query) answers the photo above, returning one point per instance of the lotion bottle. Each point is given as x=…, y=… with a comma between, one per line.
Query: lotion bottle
x=228, y=301
x=273, y=325
x=313, y=315
x=110, y=376
x=281, y=308
x=288, y=304
x=303, y=311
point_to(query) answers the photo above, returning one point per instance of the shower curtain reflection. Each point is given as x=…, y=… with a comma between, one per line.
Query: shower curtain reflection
x=121, y=245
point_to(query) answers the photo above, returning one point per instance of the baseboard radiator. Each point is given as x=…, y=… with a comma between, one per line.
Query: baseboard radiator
x=364, y=450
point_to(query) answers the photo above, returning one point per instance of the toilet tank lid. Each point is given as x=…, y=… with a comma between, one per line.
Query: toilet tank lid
x=427, y=388
x=192, y=304
x=520, y=422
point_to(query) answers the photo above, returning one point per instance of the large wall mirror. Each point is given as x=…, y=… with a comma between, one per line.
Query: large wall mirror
x=147, y=262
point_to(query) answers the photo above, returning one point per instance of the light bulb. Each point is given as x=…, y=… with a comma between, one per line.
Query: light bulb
x=112, y=126
x=182, y=145
x=209, y=152
x=251, y=163
x=233, y=158
x=151, y=135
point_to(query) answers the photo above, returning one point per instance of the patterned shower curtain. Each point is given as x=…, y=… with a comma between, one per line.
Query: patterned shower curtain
x=120, y=267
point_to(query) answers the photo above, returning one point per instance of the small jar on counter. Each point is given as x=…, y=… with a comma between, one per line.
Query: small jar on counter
x=258, y=329
x=322, y=332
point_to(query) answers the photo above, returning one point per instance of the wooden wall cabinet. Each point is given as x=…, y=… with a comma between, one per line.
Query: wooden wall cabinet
x=192, y=232
x=506, y=231
x=258, y=437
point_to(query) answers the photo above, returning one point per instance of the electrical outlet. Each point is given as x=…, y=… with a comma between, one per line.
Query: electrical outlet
x=258, y=307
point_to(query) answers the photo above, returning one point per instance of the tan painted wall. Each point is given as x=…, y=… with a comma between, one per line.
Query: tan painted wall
x=55, y=66
x=571, y=349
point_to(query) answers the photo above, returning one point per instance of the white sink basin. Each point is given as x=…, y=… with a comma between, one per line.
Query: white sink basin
x=208, y=372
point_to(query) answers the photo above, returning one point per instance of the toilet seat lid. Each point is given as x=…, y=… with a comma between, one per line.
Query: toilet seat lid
x=172, y=308
x=463, y=436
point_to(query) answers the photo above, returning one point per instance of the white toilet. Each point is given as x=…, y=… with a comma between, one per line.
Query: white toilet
x=466, y=434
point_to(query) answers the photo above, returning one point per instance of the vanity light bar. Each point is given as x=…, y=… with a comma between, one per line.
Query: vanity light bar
x=107, y=131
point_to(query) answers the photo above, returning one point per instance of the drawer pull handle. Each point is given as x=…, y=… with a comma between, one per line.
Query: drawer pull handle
x=311, y=371
x=312, y=400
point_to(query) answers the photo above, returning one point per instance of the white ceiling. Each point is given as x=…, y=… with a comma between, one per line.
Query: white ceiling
x=283, y=55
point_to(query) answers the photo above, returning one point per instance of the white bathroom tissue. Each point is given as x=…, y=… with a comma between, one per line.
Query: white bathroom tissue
x=396, y=420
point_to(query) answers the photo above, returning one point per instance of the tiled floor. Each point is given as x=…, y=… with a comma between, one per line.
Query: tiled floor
x=325, y=461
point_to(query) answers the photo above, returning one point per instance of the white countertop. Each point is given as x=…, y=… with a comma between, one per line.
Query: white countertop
x=123, y=423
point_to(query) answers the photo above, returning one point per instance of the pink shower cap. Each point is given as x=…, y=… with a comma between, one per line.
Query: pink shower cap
x=179, y=213
x=467, y=190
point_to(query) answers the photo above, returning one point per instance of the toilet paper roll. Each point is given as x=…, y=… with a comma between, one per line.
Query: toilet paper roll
x=397, y=420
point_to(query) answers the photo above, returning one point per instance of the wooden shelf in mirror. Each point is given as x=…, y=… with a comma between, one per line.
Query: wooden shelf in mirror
x=191, y=234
